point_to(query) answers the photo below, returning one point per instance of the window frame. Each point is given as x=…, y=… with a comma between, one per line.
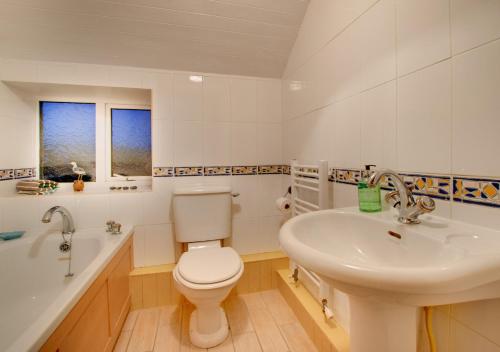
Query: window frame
x=101, y=183
x=108, y=139
x=38, y=132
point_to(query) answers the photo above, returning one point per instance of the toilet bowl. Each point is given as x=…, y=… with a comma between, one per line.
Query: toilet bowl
x=205, y=277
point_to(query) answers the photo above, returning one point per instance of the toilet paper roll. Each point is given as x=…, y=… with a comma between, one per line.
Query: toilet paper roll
x=283, y=204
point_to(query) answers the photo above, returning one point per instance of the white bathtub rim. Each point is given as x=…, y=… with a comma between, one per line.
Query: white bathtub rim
x=37, y=334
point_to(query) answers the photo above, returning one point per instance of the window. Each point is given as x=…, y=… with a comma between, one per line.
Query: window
x=130, y=141
x=67, y=133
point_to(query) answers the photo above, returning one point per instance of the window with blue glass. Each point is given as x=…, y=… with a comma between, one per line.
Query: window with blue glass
x=130, y=142
x=67, y=134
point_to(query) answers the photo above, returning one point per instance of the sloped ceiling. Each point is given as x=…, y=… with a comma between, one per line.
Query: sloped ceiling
x=244, y=37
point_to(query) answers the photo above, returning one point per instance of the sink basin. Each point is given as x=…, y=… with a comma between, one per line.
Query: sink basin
x=390, y=269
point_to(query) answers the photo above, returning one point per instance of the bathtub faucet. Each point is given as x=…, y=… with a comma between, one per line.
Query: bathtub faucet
x=68, y=224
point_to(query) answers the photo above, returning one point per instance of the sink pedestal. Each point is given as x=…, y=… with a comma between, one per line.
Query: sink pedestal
x=382, y=327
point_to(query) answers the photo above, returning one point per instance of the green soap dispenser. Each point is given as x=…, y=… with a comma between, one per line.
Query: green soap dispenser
x=369, y=197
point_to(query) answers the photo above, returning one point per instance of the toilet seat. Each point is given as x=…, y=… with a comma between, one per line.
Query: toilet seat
x=209, y=266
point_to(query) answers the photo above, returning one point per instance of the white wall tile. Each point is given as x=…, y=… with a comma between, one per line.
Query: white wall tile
x=424, y=118
x=127, y=209
x=188, y=141
x=247, y=204
x=270, y=189
x=377, y=33
x=378, y=126
x=159, y=244
x=92, y=210
x=481, y=316
x=157, y=205
x=217, y=143
x=244, y=144
x=188, y=98
x=216, y=99
x=463, y=339
x=269, y=148
x=19, y=214
x=474, y=22
x=344, y=195
x=19, y=133
x=476, y=103
x=269, y=101
x=476, y=214
x=243, y=100
x=347, y=133
x=139, y=246
x=269, y=233
x=423, y=33
x=246, y=237
x=162, y=96
x=323, y=20
x=163, y=142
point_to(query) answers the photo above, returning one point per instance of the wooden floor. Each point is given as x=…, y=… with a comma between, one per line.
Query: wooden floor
x=259, y=321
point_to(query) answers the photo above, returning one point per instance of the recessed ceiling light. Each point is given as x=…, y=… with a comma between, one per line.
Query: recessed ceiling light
x=196, y=79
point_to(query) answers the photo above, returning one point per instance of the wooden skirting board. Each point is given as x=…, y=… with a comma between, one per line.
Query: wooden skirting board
x=154, y=286
x=326, y=334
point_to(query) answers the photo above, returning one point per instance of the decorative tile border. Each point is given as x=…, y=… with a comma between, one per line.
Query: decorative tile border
x=14, y=174
x=472, y=190
x=217, y=170
x=182, y=171
x=481, y=191
x=270, y=169
x=348, y=176
x=188, y=171
x=430, y=185
x=163, y=171
x=244, y=170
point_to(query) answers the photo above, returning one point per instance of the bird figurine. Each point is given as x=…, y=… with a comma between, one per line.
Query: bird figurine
x=78, y=170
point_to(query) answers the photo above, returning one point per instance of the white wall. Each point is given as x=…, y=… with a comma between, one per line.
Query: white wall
x=226, y=120
x=412, y=85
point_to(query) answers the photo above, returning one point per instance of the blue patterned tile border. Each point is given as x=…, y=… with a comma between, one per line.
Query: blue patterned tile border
x=435, y=186
x=217, y=171
x=188, y=171
x=244, y=170
x=270, y=169
x=480, y=191
x=163, y=171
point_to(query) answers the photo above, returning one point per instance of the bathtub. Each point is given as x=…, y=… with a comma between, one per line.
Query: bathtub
x=35, y=295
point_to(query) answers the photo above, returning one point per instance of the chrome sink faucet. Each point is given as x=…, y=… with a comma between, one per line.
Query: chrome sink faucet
x=402, y=198
x=68, y=224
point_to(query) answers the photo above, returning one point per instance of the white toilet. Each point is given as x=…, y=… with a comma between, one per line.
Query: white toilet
x=207, y=272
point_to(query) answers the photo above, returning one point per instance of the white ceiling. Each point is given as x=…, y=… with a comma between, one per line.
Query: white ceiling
x=244, y=37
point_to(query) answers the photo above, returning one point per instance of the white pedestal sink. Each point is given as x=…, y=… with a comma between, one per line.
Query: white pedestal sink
x=390, y=270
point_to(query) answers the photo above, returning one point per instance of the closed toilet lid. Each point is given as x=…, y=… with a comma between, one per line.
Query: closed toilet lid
x=209, y=265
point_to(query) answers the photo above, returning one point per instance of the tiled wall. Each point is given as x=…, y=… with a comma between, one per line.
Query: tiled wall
x=222, y=123
x=412, y=85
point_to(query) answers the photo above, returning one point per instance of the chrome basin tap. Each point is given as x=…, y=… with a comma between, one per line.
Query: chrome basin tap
x=68, y=224
x=409, y=207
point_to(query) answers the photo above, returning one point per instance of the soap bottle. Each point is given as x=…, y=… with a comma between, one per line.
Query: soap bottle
x=369, y=197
